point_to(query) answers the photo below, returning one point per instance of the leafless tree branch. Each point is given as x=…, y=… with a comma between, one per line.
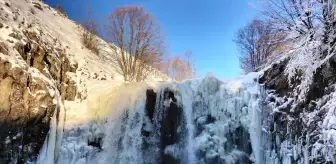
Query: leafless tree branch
x=138, y=40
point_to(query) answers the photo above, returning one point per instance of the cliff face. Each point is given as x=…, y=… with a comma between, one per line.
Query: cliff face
x=35, y=78
x=301, y=89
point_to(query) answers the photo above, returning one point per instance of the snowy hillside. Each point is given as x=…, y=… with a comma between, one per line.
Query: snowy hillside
x=62, y=32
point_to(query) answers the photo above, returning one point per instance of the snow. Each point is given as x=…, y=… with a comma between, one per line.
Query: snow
x=304, y=60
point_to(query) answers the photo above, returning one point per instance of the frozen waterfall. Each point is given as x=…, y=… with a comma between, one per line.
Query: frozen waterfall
x=199, y=121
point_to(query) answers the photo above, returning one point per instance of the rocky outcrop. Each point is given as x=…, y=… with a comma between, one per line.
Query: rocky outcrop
x=25, y=112
x=276, y=79
x=298, y=122
x=34, y=79
x=323, y=80
x=172, y=128
x=52, y=63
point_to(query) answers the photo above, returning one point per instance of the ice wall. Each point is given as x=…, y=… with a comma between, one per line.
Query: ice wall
x=199, y=121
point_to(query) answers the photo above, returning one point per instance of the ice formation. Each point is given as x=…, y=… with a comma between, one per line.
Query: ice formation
x=50, y=150
x=197, y=121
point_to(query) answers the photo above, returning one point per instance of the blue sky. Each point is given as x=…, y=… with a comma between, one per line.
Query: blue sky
x=206, y=27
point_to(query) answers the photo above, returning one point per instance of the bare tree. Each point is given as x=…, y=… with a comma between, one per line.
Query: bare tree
x=164, y=65
x=191, y=66
x=299, y=15
x=180, y=68
x=138, y=40
x=256, y=42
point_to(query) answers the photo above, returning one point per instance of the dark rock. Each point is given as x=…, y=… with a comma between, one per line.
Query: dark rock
x=23, y=50
x=215, y=159
x=244, y=159
x=276, y=79
x=324, y=77
x=21, y=142
x=15, y=36
x=10, y=41
x=150, y=103
x=238, y=139
x=210, y=119
x=73, y=67
x=38, y=6
x=103, y=78
x=96, y=143
x=3, y=48
x=241, y=138
x=172, y=121
x=168, y=159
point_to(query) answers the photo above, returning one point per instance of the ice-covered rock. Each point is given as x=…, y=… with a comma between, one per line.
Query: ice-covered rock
x=196, y=121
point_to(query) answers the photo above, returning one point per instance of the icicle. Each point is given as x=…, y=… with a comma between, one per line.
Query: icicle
x=255, y=130
x=49, y=152
x=305, y=151
x=47, y=155
x=187, y=99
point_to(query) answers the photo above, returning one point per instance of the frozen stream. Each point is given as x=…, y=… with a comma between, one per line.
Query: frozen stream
x=199, y=121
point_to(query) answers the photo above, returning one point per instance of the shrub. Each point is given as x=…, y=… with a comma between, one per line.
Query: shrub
x=89, y=36
x=61, y=10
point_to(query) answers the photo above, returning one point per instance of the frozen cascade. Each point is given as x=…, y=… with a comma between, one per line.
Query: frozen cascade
x=198, y=121
x=186, y=99
x=50, y=150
